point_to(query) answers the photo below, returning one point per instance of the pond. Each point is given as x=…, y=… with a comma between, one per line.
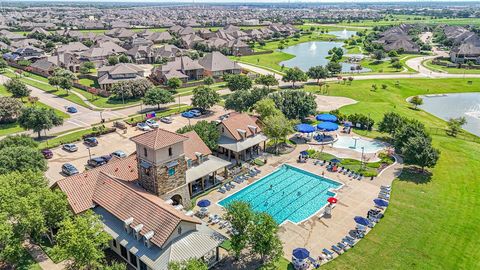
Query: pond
x=455, y=105
x=342, y=34
x=314, y=53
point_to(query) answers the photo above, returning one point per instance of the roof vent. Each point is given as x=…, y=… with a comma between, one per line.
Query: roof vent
x=253, y=129
x=136, y=231
x=242, y=132
x=126, y=223
x=147, y=237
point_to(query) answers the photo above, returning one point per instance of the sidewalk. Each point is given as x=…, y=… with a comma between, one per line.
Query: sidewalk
x=41, y=258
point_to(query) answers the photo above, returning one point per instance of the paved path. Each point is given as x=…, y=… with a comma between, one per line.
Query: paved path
x=41, y=258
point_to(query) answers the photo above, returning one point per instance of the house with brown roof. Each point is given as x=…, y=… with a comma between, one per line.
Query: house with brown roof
x=140, y=201
x=109, y=75
x=182, y=67
x=241, y=138
x=216, y=65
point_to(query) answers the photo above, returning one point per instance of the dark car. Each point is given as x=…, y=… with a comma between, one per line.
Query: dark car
x=72, y=109
x=47, y=153
x=96, y=162
x=107, y=158
x=90, y=141
x=69, y=169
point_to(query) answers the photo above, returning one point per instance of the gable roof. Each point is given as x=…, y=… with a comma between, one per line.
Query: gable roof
x=216, y=61
x=195, y=144
x=158, y=138
x=240, y=121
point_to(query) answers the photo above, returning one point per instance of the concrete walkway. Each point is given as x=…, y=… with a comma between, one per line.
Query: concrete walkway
x=41, y=258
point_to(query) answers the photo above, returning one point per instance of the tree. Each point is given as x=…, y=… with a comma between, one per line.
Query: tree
x=63, y=78
x=317, y=73
x=266, y=80
x=416, y=101
x=204, y=97
x=18, y=140
x=191, y=264
x=112, y=60
x=418, y=150
x=294, y=75
x=397, y=65
x=277, y=127
x=266, y=107
x=264, y=238
x=131, y=89
x=21, y=158
x=38, y=119
x=240, y=215
x=238, y=101
x=207, y=131
x=378, y=55
x=81, y=240
x=334, y=67
x=3, y=65
x=294, y=104
x=173, y=84
x=208, y=80
x=10, y=109
x=237, y=82
x=455, y=125
x=391, y=122
x=411, y=128
x=123, y=59
x=157, y=96
x=18, y=88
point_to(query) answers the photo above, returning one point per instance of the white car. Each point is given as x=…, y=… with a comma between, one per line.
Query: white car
x=144, y=127
x=166, y=120
x=152, y=123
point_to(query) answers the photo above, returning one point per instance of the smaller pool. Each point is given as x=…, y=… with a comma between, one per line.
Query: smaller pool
x=370, y=146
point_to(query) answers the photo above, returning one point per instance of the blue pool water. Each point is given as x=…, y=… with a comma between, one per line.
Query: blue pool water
x=347, y=142
x=288, y=193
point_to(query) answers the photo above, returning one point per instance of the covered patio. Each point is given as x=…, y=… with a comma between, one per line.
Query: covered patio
x=243, y=150
x=206, y=175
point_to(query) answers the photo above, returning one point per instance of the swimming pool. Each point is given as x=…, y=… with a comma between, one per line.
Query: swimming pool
x=370, y=146
x=288, y=193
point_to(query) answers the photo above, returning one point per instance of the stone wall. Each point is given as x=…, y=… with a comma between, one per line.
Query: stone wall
x=166, y=183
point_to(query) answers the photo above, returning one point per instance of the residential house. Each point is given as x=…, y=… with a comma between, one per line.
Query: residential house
x=466, y=52
x=240, y=138
x=182, y=67
x=121, y=33
x=141, y=54
x=12, y=36
x=109, y=75
x=216, y=65
x=100, y=52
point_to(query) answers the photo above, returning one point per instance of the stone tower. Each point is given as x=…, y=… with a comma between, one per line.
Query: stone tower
x=162, y=166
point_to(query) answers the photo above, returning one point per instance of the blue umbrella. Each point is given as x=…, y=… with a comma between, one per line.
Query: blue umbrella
x=326, y=117
x=304, y=128
x=304, y=153
x=203, y=203
x=335, y=160
x=380, y=202
x=301, y=253
x=327, y=126
x=361, y=220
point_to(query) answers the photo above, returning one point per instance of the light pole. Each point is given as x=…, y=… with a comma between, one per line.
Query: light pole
x=101, y=116
x=355, y=139
x=363, y=149
x=89, y=154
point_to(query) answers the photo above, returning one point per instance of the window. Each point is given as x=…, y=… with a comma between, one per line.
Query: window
x=145, y=152
x=114, y=243
x=146, y=171
x=170, y=151
x=171, y=171
x=143, y=266
x=133, y=259
x=179, y=230
x=123, y=251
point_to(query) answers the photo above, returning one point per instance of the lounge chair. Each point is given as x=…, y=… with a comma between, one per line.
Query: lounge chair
x=360, y=177
x=358, y=234
x=227, y=187
x=328, y=253
x=342, y=246
x=337, y=249
x=221, y=190
x=348, y=242
x=216, y=220
x=231, y=185
x=316, y=162
x=351, y=174
x=212, y=217
x=349, y=238
x=257, y=170
x=314, y=262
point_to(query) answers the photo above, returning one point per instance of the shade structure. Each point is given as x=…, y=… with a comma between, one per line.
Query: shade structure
x=326, y=117
x=332, y=200
x=304, y=128
x=361, y=220
x=301, y=253
x=203, y=203
x=335, y=160
x=327, y=126
x=304, y=153
x=380, y=202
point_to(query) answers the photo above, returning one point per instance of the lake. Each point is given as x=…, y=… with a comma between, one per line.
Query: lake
x=455, y=105
x=342, y=34
x=314, y=53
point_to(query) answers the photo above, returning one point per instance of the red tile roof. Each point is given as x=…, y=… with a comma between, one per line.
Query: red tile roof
x=240, y=121
x=158, y=138
x=195, y=144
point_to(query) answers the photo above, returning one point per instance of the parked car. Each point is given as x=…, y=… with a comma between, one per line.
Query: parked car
x=69, y=169
x=47, y=153
x=196, y=113
x=166, y=120
x=90, y=141
x=224, y=116
x=119, y=154
x=144, y=127
x=107, y=158
x=96, y=162
x=70, y=147
x=188, y=114
x=152, y=123
x=72, y=110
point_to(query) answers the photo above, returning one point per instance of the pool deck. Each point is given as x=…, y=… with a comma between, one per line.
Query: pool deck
x=355, y=199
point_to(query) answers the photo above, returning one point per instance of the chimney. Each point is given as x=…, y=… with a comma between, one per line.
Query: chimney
x=126, y=224
x=148, y=236
x=136, y=231
x=242, y=132
x=199, y=157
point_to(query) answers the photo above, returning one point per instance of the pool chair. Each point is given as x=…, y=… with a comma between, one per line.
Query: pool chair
x=212, y=217
x=237, y=180
x=361, y=228
x=227, y=187
x=349, y=238
x=373, y=219
x=346, y=171
x=340, y=170
x=316, y=162
x=337, y=249
x=351, y=174
x=231, y=185
x=342, y=246
x=360, y=177
x=314, y=262
x=386, y=187
x=222, y=190
x=348, y=241
x=385, y=198
x=328, y=253
x=216, y=219
x=257, y=170
x=223, y=224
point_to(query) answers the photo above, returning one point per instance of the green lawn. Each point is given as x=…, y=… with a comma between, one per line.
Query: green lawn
x=187, y=91
x=438, y=68
x=399, y=19
x=385, y=66
x=106, y=102
x=432, y=222
x=89, y=82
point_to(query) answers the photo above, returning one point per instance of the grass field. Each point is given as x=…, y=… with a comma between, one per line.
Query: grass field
x=386, y=67
x=399, y=19
x=432, y=221
x=438, y=68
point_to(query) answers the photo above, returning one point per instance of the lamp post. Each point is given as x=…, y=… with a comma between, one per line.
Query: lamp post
x=363, y=149
x=89, y=154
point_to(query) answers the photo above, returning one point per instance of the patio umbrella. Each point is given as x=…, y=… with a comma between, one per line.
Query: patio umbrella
x=301, y=253
x=335, y=160
x=332, y=200
x=326, y=117
x=203, y=203
x=304, y=153
x=380, y=202
x=361, y=220
x=304, y=128
x=327, y=126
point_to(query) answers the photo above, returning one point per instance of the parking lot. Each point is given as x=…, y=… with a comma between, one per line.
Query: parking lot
x=112, y=142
